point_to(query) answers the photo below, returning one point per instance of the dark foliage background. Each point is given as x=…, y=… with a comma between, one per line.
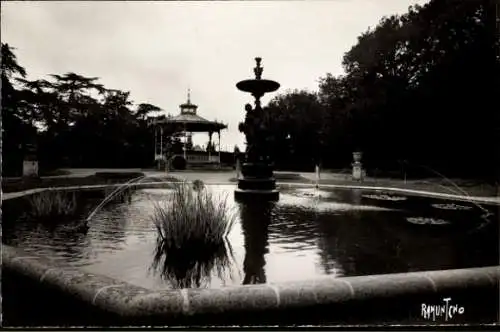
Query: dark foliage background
x=419, y=90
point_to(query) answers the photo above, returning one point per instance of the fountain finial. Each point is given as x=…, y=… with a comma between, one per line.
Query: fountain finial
x=189, y=96
x=258, y=70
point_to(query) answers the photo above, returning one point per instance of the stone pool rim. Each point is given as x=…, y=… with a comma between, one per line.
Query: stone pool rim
x=490, y=200
x=130, y=302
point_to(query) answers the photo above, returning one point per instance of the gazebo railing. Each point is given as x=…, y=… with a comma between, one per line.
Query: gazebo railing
x=202, y=158
x=194, y=157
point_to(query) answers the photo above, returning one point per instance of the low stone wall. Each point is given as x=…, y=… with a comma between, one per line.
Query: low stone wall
x=37, y=292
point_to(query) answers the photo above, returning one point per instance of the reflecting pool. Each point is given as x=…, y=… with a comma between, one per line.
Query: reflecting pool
x=308, y=234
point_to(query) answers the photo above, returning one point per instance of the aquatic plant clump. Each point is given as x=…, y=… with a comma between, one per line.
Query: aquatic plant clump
x=52, y=204
x=451, y=207
x=189, y=216
x=427, y=221
x=191, y=228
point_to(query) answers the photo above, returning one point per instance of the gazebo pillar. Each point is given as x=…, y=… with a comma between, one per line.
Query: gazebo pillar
x=209, y=145
x=155, y=143
x=185, y=143
x=161, y=147
x=218, y=133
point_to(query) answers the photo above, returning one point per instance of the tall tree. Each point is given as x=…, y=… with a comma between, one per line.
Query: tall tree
x=297, y=122
x=144, y=109
x=16, y=130
x=420, y=89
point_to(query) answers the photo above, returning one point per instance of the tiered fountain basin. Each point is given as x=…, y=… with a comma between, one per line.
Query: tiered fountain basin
x=258, y=87
x=258, y=183
x=329, y=256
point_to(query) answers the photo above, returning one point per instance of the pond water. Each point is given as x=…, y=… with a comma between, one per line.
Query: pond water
x=307, y=234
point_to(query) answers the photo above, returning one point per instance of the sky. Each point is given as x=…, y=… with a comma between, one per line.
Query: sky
x=157, y=50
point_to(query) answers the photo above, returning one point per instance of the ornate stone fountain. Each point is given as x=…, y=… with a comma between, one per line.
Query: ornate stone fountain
x=258, y=180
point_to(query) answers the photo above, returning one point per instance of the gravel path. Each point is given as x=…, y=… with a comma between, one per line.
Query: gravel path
x=446, y=186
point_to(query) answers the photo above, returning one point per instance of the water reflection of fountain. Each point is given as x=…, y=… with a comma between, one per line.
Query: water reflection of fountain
x=356, y=196
x=255, y=220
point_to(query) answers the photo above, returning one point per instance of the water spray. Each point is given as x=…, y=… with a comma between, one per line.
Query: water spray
x=486, y=214
x=115, y=192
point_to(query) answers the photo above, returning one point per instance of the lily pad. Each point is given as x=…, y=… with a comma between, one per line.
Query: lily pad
x=451, y=206
x=427, y=221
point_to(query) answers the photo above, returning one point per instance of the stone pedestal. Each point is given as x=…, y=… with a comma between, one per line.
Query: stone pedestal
x=30, y=162
x=357, y=172
x=257, y=182
x=30, y=168
x=357, y=167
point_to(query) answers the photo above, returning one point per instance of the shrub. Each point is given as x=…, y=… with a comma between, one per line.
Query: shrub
x=179, y=163
x=192, y=226
x=53, y=204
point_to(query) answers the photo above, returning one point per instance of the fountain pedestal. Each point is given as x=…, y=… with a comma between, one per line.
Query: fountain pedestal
x=257, y=180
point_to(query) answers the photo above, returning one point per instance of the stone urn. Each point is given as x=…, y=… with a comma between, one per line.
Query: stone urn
x=30, y=162
x=357, y=156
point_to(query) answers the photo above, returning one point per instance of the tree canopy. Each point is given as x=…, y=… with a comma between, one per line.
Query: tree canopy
x=74, y=120
x=418, y=87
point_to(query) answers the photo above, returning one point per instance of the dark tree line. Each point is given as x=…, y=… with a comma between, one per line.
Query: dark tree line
x=418, y=89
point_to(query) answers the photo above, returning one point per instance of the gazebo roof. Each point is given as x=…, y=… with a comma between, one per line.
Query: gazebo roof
x=190, y=121
x=195, y=123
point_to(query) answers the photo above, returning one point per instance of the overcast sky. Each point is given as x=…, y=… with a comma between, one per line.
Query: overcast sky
x=156, y=50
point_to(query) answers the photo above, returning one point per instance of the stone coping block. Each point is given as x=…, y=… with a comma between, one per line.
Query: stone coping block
x=134, y=303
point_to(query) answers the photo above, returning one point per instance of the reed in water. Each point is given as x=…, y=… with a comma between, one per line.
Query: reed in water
x=191, y=228
x=50, y=204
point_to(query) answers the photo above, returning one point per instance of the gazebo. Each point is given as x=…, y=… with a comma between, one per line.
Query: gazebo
x=173, y=138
